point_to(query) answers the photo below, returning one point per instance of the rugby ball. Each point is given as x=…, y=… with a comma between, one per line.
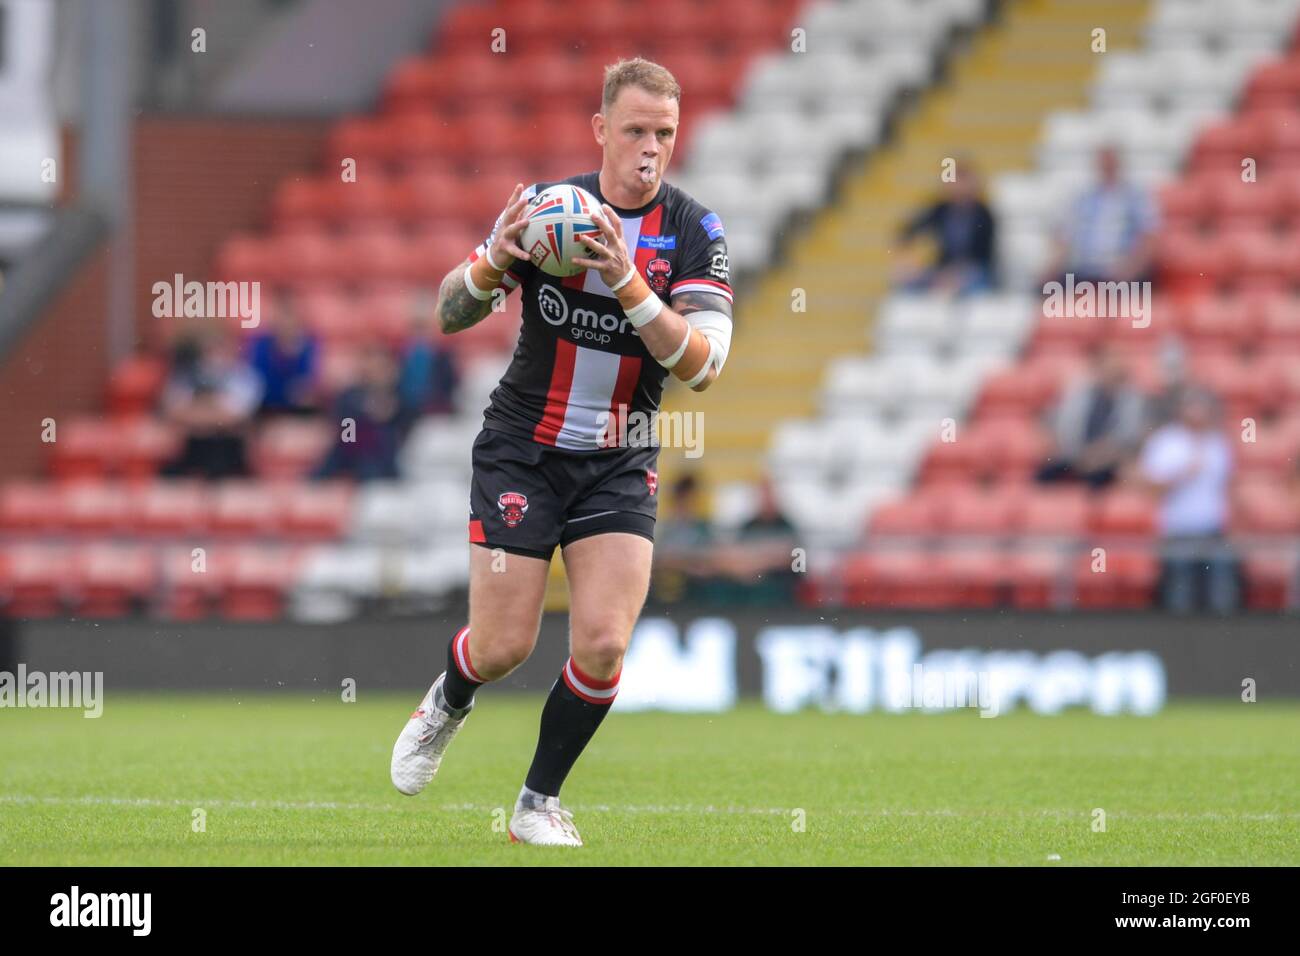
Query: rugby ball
x=556, y=217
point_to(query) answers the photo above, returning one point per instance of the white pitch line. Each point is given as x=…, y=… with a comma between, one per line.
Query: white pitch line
x=608, y=808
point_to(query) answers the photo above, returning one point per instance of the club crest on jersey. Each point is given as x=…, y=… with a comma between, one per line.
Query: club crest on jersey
x=512, y=506
x=652, y=480
x=657, y=272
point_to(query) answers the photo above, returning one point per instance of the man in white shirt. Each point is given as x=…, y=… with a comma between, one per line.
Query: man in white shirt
x=1189, y=462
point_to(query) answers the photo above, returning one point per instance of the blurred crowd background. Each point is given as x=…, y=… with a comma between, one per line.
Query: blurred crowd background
x=904, y=422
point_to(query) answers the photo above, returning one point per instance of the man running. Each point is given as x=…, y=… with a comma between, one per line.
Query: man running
x=655, y=299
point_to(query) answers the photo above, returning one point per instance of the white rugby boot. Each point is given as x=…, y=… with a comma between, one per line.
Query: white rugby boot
x=422, y=742
x=548, y=825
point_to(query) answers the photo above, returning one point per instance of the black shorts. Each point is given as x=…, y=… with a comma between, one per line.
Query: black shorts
x=526, y=497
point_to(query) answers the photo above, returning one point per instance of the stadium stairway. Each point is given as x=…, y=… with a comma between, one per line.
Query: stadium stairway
x=1032, y=59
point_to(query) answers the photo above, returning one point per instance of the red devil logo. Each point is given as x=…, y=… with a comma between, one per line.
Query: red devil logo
x=652, y=480
x=657, y=272
x=512, y=505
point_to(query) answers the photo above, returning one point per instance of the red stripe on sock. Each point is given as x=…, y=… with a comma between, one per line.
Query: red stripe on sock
x=460, y=654
x=593, y=682
x=580, y=693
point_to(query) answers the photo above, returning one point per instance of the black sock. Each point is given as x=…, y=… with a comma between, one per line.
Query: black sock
x=457, y=688
x=573, y=710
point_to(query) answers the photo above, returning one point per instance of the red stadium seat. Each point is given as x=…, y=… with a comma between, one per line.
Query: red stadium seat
x=1055, y=512
x=1222, y=145
x=1261, y=504
x=85, y=448
x=421, y=83
x=170, y=508
x=977, y=576
x=1271, y=578
x=95, y=507
x=245, y=508
x=1274, y=85
x=134, y=385
x=36, y=579
x=1221, y=321
x=1127, y=581
x=144, y=445
x=981, y=512
x=290, y=448
x=318, y=511
x=1274, y=451
x=255, y=586
x=1260, y=204
x=192, y=579
x=896, y=578
x=1034, y=572
x=1187, y=204
x=1124, y=511
x=916, y=514
x=114, y=578
x=28, y=506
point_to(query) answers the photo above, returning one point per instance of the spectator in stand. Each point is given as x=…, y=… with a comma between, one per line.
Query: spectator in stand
x=1097, y=425
x=760, y=565
x=211, y=398
x=1188, y=463
x=429, y=376
x=1109, y=231
x=1164, y=405
x=372, y=422
x=285, y=358
x=963, y=229
x=683, y=545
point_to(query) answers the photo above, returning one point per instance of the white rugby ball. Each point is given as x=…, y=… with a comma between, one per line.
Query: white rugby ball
x=556, y=217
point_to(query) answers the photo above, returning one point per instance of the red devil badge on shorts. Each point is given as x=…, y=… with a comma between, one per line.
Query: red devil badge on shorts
x=512, y=506
x=652, y=480
x=657, y=272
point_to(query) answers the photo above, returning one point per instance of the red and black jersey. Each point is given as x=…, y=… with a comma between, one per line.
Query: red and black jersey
x=578, y=358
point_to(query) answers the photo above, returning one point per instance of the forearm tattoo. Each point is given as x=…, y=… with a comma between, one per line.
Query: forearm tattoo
x=457, y=309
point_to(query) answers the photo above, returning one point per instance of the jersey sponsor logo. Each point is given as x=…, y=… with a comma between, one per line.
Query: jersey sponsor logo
x=554, y=307
x=719, y=268
x=657, y=272
x=712, y=225
x=583, y=324
x=657, y=242
x=513, y=506
x=652, y=480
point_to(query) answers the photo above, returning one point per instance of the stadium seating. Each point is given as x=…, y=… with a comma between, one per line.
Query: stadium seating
x=961, y=523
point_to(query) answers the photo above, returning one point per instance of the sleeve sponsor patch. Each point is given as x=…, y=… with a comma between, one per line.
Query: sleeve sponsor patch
x=712, y=225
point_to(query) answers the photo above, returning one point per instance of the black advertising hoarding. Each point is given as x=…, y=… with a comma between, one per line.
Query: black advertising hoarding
x=705, y=659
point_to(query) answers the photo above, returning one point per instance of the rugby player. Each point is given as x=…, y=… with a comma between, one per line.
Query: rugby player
x=654, y=300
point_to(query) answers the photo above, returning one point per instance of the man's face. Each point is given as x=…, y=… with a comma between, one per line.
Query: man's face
x=637, y=133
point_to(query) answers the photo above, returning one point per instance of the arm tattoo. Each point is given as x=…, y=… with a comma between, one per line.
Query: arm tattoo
x=457, y=309
x=684, y=303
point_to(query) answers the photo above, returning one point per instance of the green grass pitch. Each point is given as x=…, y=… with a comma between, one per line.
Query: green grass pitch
x=287, y=779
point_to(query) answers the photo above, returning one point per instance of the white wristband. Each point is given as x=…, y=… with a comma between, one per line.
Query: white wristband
x=676, y=357
x=474, y=290
x=623, y=281
x=644, y=311
x=487, y=254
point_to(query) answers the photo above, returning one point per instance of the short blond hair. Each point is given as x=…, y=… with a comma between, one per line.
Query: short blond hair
x=649, y=76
